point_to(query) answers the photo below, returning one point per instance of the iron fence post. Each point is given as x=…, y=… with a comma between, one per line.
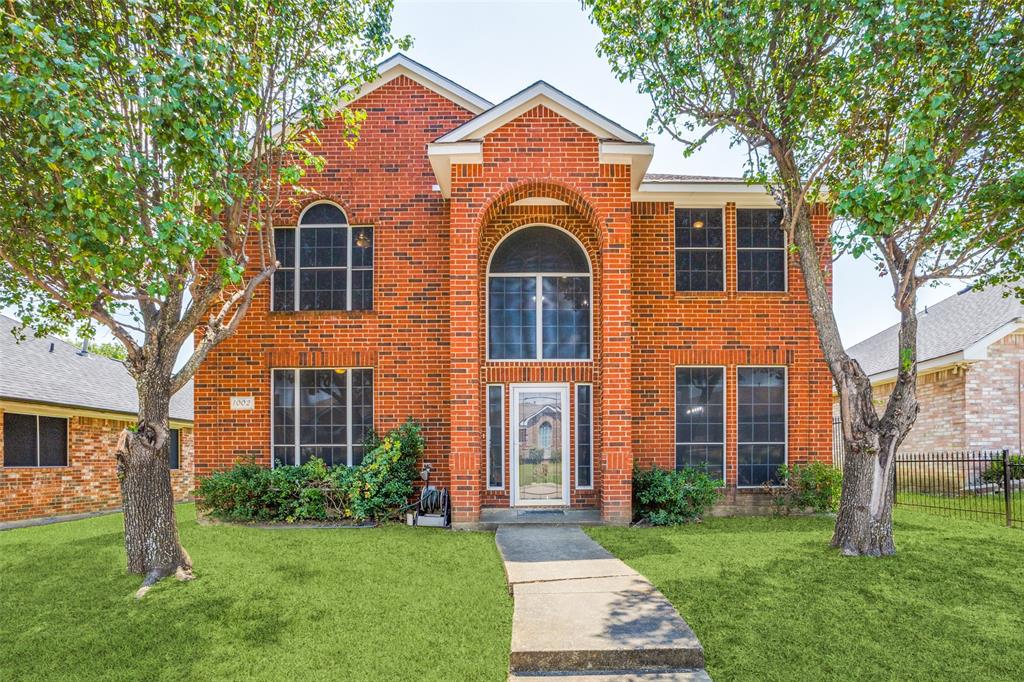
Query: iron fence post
x=1007, y=495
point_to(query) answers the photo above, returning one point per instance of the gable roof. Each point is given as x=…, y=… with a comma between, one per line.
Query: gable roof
x=402, y=65
x=540, y=93
x=51, y=371
x=956, y=329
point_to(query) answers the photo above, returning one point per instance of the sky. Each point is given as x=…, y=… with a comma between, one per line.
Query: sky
x=497, y=48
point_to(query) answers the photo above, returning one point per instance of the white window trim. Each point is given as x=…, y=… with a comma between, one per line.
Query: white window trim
x=297, y=445
x=676, y=249
x=725, y=414
x=576, y=442
x=539, y=301
x=785, y=259
x=501, y=390
x=348, y=267
x=39, y=443
x=785, y=443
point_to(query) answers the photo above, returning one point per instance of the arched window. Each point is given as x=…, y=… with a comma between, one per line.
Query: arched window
x=326, y=264
x=538, y=297
x=545, y=435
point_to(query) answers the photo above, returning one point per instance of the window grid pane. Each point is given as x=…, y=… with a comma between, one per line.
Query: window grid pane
x=495, y=437
x=584, y=436
x=53, y=441
x=566, y=313
x=760, y=250
x=512, y=317
x=761, y=427
x=21, y=446
x=362, y=411
x=700, y=419
x=700, y=262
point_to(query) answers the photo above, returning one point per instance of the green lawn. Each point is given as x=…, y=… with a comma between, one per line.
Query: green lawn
x=770, y=601
x=990, y=508
x=391, y=603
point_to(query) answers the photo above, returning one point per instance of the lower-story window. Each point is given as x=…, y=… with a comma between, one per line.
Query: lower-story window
x=325, y=413
x=761, y=427
x=495, y=437
x=584, y=436
x=700, y=419
x=32, y=440
x=174, y=449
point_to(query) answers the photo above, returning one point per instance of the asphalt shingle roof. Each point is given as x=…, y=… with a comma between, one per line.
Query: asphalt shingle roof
x=49, y=370
x=949, y=326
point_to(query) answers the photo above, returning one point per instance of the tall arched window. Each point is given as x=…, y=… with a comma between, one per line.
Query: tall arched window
x=538, y=297
x=326, y=264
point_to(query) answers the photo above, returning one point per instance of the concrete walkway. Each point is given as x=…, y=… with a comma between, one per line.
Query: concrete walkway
x=581, y=614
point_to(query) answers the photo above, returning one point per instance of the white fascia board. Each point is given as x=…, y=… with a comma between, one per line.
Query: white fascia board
x=557, y=101
x=979, y=349
x=401, y=65
x=705, y=194
x=637, y=155
x=442, y=156
x=932, y=365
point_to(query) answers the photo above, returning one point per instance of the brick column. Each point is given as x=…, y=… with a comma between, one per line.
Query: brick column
x=616, y=362
x=467, y=453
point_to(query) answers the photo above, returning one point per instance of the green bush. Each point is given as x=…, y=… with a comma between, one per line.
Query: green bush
x=374, y=490
x=994, y=472
x=665, y=498
x=814, y=486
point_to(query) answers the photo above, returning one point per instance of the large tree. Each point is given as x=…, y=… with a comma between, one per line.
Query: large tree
x=905, y=116
x=144, y=143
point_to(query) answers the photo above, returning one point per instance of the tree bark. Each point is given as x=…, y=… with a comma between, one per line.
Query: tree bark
x=150, y=527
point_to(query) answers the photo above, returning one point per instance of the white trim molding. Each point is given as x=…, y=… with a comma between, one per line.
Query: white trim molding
x=401, y=65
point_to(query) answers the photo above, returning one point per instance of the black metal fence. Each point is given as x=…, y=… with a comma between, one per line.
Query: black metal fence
x=983, y=485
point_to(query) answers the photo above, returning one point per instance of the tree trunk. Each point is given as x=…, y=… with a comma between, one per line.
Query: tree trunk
x=864, y=523
x=150, y=527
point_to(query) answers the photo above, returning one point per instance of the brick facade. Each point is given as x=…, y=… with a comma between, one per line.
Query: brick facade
x=426, y=336
x=89, y=481
x=973, y=405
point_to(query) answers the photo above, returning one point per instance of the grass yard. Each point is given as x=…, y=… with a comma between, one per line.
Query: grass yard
x=989, y=508
x=392, y=603
x=770, y=601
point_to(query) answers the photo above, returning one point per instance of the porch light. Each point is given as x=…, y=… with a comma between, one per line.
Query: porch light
x=362, y=241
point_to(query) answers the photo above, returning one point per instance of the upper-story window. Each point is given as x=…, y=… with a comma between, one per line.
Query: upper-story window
x=760, y=250
x=700, y=249
x=538, y=297
x=326, y=264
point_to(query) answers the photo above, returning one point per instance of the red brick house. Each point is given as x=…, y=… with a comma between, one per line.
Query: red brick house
x=62, y=409
x=472, y=264
x=970, y=385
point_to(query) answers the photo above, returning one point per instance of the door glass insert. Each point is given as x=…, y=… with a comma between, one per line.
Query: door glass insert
x=540, y=446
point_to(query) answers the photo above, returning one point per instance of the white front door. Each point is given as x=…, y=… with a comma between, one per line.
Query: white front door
x=539, y=430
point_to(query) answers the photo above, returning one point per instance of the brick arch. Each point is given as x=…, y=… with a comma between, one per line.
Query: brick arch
x=289, y=211
x=531, y=189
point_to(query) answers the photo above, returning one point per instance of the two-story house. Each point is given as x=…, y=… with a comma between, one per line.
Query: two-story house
x=508, y=275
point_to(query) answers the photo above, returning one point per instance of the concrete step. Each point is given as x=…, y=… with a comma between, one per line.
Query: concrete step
x=491, y=519
x=613, y=676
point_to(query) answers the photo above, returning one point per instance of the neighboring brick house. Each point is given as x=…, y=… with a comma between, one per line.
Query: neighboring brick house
x=61, y=412
x=970, y=372
x=470, y=264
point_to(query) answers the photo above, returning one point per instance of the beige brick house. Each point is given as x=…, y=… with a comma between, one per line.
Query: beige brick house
x=61, y=411
x=971, y=372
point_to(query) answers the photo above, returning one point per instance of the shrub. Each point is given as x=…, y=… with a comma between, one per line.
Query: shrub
x=374, y=490
x=994, y=472
x=814, y=486
x=664, y=498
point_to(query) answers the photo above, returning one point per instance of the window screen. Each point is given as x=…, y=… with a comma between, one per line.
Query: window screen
x=174, y=449
x=31, y=440
x=761, y=427
x=700, y=250
x=700, y=419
